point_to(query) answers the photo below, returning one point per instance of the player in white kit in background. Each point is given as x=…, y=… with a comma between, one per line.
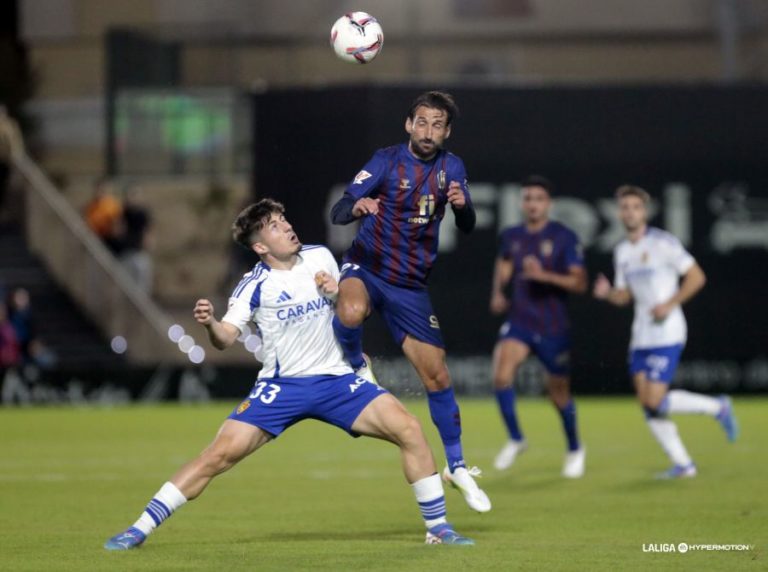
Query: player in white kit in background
x=648, y=266
x=289, y=295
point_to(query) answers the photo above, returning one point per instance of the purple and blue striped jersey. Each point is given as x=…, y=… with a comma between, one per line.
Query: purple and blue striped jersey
x=399, y=243
x=536, y=307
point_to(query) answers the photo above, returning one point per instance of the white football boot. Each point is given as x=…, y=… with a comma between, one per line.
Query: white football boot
x=463, y=480
x=509, y=452
x=573, y=467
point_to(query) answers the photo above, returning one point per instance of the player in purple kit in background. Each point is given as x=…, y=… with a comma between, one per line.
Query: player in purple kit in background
x=400, y=197
x=541, y=262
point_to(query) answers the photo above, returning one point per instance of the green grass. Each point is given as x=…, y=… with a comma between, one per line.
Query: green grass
x=316, y=499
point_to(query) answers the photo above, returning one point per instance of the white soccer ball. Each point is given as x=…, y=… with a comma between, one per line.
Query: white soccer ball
x=357, y=37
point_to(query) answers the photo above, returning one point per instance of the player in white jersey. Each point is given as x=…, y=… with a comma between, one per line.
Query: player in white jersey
x=648, y=266
x=289, y=295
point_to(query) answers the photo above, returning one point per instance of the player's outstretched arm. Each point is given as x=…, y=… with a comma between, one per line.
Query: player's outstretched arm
x=221, y=334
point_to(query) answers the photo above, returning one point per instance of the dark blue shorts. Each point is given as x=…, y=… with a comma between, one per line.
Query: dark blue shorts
x=277, y=403
x=554, y=351
x=659, y=364
x=405, y=311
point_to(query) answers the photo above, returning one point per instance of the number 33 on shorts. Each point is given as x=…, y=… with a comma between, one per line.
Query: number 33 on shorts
x=265, y=392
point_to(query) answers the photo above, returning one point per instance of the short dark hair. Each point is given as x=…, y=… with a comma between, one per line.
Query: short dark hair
x=252, y=219
x=436, y=100
x=633, y=191
x=539, y=181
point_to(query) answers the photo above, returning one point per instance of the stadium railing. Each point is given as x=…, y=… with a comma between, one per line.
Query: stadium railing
x=88, y=272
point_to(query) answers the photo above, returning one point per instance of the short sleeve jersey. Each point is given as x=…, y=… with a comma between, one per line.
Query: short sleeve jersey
x=536, y=307
x=293, y=318
x=651, y=269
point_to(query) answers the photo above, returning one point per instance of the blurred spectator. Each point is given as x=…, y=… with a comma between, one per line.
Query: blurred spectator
x=19, y=314
x=136, y=239
x=103, y=213
x=10, y=349
x=11, y=145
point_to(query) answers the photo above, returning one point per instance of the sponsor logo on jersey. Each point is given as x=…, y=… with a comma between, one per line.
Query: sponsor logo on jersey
x=546, y=247
x=433, y=323
x=243, y=406
x=426, y=210
x=303, y=310
x=405, y=184
x=283, y=297
x=361, y=176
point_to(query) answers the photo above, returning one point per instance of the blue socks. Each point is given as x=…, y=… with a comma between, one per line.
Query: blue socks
x=506, y=400
x=445, y=415
x=568, y=415
x=351, y=341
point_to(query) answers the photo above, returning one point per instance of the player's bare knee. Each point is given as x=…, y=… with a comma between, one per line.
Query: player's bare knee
x=351, y=314
x=559, y=394
x=410, y=434
x=439, y=379
x=501, y=382
x=652, y=402
x=220, y=459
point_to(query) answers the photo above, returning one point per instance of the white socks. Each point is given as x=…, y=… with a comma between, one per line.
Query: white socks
x=666, y=434
x=162, y=505
x=431, y=498
x=681, y=401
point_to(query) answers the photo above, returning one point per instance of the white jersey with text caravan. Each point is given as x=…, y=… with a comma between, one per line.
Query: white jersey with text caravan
x=293, y=317
x=651, y=269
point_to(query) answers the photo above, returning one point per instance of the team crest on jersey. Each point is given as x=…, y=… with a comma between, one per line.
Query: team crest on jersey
x=441, y=180
x=405, y=184
x=546, y=248
x=361, y=176
x=243, y=406
x=644, y=257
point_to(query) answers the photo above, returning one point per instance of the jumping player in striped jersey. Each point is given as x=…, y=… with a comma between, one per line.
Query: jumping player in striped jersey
x=648, y=266
x=289, y=295
x=541, y=262
x=400, y=197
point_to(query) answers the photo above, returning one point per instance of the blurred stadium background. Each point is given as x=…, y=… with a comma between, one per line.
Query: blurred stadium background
x=205, y=105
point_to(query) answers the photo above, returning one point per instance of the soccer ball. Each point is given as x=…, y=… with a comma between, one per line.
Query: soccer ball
x=357, y=37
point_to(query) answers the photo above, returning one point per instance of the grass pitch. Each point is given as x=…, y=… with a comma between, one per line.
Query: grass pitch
x=316, y=499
